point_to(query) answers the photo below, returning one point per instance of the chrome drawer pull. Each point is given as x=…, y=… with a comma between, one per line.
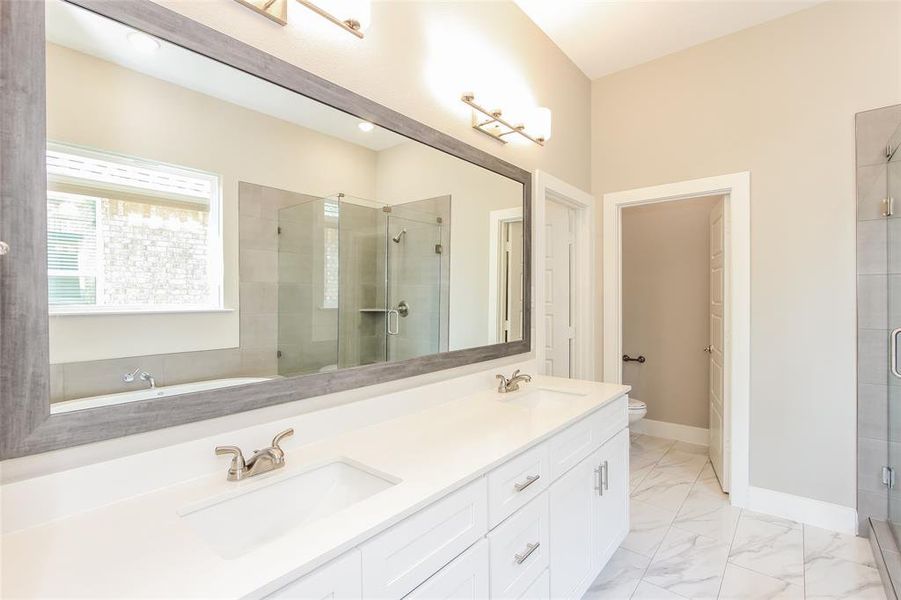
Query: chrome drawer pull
x=530, y=548
x=529, y=481
x=598, y=481
x=606, y=476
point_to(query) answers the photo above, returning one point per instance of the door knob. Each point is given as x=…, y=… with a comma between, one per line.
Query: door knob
x=708, y=349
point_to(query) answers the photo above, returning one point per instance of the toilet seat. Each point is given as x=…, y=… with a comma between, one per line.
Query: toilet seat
x=637, y=405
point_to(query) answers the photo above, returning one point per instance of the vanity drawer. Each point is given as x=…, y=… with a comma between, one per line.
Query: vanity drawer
x=465, y=578
x=570, y=446
x=540, y=588
x=516, y=482
x=399, y=559
x=339, y=580
x=520, y=549
x=612, y=419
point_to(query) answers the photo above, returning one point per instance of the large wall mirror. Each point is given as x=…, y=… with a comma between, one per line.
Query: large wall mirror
x=213, y=235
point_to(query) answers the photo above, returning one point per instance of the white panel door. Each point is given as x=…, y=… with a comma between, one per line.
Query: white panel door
x=514, y=281
x=718, y=443
x=558, y=294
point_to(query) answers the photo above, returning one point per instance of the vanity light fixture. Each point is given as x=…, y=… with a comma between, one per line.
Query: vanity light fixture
x=366, y=126
x=352, y=16
x=492, y=123
x=143, y=43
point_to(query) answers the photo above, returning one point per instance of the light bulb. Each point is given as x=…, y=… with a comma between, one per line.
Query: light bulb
x=140, y=41
x=366, y=126
x=540, y=124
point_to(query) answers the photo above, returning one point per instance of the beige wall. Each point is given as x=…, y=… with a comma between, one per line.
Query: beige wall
x=777, y=100
x=418, y=58
x=665, y=307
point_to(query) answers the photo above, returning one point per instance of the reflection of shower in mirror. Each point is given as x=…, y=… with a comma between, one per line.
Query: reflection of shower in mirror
x=396, y=239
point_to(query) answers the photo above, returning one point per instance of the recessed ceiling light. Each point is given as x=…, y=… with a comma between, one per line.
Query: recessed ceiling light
x=366, y=126
x=142, y=42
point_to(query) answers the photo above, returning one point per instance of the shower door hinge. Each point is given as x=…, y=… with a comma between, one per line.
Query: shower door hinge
x=438, y=249
x=889, y=206
x=279, y=229
x=888, y=477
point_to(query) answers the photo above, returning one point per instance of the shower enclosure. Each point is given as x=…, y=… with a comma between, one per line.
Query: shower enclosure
x=878, y=135
x=361, y=282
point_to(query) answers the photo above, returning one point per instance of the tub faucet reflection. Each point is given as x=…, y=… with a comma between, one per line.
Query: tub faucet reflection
x=144, y=376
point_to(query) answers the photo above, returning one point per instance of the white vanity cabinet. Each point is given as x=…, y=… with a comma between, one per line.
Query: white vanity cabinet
x=338, y=580
x=589, y=517
x=542, y=525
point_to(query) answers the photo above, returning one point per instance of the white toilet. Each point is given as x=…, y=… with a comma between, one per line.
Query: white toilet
x=637, y=410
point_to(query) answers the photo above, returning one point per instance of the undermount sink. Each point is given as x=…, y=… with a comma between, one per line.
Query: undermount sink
x=538, y=398
x=241, y=520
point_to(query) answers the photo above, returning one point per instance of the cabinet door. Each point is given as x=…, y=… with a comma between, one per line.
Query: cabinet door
x=612, y=499
x=465, y=578
x=338, y=580
x=573, y=503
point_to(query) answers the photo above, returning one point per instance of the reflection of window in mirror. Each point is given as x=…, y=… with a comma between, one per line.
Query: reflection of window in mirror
x=127, y=234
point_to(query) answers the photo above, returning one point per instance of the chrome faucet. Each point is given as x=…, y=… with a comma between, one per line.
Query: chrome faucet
x=144, y=376
x=511, y=385
x=262, y=461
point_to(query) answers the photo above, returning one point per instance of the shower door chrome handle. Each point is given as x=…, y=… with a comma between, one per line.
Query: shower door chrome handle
x=396, y=328
x=893, y=361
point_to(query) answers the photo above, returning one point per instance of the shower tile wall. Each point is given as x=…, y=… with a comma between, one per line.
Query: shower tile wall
x=878, y=278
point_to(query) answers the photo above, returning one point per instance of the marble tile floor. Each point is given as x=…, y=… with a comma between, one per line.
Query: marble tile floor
x=687, y=541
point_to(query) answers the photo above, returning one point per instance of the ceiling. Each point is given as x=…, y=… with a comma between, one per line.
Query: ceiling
x=80, y=30
x=603, y=37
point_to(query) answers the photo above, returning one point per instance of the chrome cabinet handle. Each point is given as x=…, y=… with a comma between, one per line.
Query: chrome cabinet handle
x=889, y=204
x=529, y=481
x=893, y=361
x=396, y=322
x=530, y=548
x=598, y=484
x=606, y=476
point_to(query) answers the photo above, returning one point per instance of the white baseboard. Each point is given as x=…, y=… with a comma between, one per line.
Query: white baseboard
x=671, y=431
x=834, y=517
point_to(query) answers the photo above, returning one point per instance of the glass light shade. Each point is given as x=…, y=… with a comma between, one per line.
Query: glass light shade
x=142, y=42
x=540, y=123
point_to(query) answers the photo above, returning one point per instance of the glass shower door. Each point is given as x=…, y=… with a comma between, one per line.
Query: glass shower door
x=893, y=293
x=413, y=275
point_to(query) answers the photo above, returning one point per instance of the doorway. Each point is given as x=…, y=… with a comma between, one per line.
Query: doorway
x=672, y=311
x=732, y=446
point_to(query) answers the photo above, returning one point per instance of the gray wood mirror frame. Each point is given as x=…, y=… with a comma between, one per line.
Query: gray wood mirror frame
x=27, y=425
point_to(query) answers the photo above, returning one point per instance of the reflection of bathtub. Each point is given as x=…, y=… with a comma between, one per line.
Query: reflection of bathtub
x=150, y=393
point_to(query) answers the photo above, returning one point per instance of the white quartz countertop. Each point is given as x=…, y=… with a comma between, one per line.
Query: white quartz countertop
x=142, y=548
